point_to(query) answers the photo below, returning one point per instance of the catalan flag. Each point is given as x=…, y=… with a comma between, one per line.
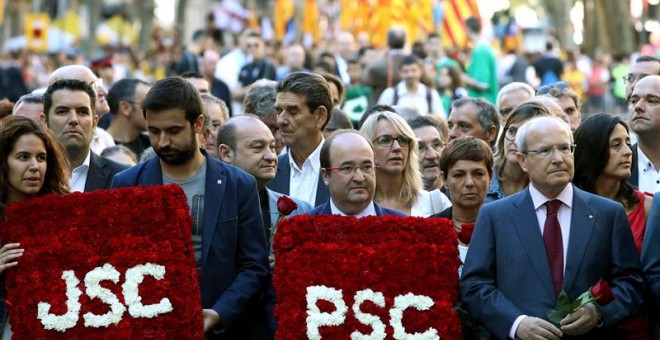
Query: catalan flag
x=455, y=12
x=284, y=16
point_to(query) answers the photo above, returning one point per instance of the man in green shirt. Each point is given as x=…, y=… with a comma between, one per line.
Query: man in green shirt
x=482, y=67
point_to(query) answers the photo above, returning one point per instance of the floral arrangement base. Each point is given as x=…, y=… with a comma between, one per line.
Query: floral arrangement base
x=373, y=278
x=109, y=264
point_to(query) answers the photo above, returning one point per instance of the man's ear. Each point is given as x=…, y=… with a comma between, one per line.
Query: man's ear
x=522, y=161
x=225, y=153
x=325, y=174
x=124, y=108
x=322, y=115
x=491, y=134
x=199, y=123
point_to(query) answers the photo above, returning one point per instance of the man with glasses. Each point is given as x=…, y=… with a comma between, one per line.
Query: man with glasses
x=643, y=66
x=551, y=237
x=304, y=107
x=128, y=125
x=431, y=142
x=349, y=171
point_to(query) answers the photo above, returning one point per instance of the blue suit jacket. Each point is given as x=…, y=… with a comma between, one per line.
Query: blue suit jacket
x=234, y=253
x=324, y=209
x=282, y=181
x=651, y=251
x=506, y=272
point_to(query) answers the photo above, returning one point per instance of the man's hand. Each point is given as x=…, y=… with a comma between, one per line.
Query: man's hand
x=211, y=319
x=535, y=328
x=581, y=321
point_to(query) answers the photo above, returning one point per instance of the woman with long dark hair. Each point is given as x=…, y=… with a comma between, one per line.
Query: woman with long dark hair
x=603, y=162
x=33, y=163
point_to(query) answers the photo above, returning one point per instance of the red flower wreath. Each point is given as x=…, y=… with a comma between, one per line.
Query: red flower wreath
x=395, y=256
x=124, y=228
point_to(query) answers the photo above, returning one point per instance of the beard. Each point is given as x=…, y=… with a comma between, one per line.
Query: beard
x=175, y=156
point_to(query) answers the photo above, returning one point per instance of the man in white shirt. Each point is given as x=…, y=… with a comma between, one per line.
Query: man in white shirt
x=69, y=106
x=529, y=247
x=411, y=92
x=644, y=113
x=349, y=171
x=304, y=107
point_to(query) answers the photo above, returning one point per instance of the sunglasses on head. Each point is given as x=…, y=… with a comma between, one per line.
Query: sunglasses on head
x=562, y=85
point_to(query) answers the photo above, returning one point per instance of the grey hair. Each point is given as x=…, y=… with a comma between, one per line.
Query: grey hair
x=511, y=87
x=30, y=98
x=209, y=98
x=260, y=98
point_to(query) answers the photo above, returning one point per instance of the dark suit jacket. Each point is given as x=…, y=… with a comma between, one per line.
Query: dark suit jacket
x=234, y=253
x=101, y=171
x=376, y=73
x=651, y=251
x=324, y=209
x=282, y=181
x=506, y=272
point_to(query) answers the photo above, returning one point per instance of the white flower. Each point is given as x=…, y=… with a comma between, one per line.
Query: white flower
x=94, y=290
x=368, y=319
x=132, y=299
x=61, y=323
x=315, y=318
x=403, y=302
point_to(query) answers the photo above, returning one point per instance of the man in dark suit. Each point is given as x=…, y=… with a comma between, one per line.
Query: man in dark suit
x=552, y=236
x=651, y=261
x=227, y=231
x=71, y=115
x=384, y=72
x=304, y=107
x=347, y=161
x=644, y=114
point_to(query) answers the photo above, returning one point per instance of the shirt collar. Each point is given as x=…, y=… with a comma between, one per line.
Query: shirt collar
x=370, y=210
x=565, y=196
x=85, y=165
x=643, y=162
x=403, y=90
x=314, y=159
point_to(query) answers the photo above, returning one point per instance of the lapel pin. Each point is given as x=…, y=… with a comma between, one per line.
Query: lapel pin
x=220, y=182
x=591, y=217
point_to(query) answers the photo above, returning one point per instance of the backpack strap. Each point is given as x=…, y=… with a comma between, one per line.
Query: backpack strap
x=396, y=95
x=428, y=100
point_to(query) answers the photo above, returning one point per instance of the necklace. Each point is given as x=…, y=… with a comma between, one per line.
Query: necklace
x=462, y=221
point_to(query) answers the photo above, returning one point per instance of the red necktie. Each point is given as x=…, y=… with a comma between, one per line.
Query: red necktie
x=554, y=247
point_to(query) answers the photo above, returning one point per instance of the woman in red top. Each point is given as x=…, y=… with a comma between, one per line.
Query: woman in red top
x=603, y=160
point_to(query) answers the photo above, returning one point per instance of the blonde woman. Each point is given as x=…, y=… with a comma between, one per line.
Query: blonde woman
x=398, y=178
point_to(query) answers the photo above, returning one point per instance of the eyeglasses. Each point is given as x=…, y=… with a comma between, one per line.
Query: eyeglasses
x=436, y=146
x=562, y=85
x=350, y=170
x=565, y=150
x=632, y=77
x=387, y=141
x=511, y=133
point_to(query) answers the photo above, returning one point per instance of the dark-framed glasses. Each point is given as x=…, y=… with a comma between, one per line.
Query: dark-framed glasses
x=511, y=133
x=545, y=152
x=387, y=141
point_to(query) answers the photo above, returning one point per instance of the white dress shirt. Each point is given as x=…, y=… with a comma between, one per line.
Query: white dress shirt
x=564, y=217
x=79, y=175
x=370, y=210
x=303, y=182
x=649, y=176
x=415, y=99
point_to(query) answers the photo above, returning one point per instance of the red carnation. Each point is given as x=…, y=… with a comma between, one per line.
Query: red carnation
x=602, y=292
x=286, y=205
x=465, y=235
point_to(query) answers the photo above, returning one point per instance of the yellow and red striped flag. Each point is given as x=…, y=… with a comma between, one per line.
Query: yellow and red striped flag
x=455, y=12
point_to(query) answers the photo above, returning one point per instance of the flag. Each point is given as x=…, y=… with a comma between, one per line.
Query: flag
x=455, y=12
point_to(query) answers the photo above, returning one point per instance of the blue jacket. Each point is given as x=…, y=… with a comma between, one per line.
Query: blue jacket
x=234, y=252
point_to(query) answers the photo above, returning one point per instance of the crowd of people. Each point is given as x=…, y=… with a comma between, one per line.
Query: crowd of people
x=561, y=196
